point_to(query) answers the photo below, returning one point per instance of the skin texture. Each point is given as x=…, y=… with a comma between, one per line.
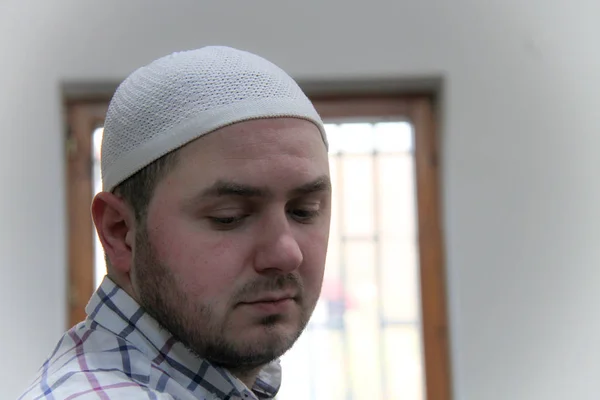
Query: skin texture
x=241, y=220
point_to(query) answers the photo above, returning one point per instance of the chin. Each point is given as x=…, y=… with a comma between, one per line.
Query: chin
x=279, y=336
x=252, y=344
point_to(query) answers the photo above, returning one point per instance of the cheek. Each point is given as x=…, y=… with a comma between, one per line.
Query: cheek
x=315, y=252
x=206, y=265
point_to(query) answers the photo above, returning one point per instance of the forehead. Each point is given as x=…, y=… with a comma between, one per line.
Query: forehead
x=291, y=135
x=261, y=138
x=284, y=148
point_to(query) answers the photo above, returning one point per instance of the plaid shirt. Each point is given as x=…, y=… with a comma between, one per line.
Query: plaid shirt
x=120, y=352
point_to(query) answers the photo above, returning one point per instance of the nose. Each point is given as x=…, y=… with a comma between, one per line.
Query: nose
x=277, y=249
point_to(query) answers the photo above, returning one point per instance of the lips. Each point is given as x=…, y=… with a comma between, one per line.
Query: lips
x=271, y=304
x=273, y=298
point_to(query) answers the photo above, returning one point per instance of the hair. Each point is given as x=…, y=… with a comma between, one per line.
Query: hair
x=138, y=189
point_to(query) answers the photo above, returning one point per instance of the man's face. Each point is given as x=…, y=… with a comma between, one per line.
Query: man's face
x=232, y=254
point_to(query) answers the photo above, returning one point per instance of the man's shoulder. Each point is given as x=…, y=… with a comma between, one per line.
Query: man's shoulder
x=90, y=361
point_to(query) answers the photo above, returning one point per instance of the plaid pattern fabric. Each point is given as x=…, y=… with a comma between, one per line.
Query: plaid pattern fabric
x=120, y=352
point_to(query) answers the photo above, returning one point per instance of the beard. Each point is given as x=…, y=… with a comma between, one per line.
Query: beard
x=210, y=336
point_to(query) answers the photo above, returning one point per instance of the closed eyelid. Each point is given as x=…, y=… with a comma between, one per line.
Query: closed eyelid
x=305, y=204
x=226, y=209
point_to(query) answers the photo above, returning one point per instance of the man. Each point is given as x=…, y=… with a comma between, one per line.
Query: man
x=214, y=218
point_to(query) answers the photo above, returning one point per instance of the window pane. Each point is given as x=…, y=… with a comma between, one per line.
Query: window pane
x=403, y=362
x=314, y=368
x=396, y=199
x=355, y=185
x=356, y=138
x=393, y=137
x=400, y=285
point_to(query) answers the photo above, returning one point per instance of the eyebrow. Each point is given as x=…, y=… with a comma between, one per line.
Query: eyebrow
x=223, y=188
x=321, y=184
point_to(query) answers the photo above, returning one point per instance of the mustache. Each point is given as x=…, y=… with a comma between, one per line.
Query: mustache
x=273, y=283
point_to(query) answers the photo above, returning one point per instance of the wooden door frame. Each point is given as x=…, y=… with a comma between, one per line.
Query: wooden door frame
x=85, y=116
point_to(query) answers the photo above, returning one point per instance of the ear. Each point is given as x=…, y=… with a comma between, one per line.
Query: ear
x=115, y=224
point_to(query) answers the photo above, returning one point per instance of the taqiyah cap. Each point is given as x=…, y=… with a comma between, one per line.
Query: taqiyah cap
x=183, y=96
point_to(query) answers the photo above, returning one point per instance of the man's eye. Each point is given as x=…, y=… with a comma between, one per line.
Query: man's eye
x=303, y=215
x=226, y=222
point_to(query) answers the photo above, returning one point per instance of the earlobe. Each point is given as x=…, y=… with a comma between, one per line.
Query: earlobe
x=115, y=225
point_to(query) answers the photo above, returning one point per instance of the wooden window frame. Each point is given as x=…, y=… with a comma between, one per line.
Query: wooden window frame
x=83, y=117
x=420, y=112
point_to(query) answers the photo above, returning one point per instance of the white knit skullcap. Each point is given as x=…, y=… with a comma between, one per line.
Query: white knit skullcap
x=180, y=97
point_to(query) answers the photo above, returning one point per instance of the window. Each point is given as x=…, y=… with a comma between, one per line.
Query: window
x=364, y=339
x=379, y=329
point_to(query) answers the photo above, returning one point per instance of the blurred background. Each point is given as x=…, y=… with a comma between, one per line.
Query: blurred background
x=464, y=256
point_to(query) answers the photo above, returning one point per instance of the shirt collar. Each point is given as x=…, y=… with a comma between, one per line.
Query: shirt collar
x=112, y=308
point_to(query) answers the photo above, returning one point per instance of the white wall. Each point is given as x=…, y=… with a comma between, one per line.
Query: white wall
x=521, y=137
